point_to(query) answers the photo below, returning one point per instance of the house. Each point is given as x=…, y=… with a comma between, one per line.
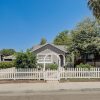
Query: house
x=50, y=53
x=7, y=58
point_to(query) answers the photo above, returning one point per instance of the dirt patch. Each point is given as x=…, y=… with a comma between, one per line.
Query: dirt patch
x=21, y=81
x=80, y=80
x=42, y=81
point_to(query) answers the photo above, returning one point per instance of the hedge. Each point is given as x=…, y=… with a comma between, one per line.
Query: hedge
x=7, y=64
x=52, y=66
x=81, y=65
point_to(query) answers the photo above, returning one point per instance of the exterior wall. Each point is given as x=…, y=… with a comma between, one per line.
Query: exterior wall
x=49, y=52
x=46, y=51
x=55, y=59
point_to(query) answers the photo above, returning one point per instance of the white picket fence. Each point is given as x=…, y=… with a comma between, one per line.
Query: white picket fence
x=31, y=73
x=80, y=73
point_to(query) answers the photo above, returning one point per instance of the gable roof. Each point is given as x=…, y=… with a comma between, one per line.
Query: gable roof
x=60, y=47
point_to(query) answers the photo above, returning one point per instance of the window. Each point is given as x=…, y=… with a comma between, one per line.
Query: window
x=41, y=58
x=48, y=58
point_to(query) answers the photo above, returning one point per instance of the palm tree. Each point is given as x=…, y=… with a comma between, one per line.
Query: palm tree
x=94, y=5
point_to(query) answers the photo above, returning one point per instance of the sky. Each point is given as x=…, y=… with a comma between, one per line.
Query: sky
x=24, y=22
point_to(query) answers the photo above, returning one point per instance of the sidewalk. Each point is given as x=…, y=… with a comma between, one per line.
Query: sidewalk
x=49, y=86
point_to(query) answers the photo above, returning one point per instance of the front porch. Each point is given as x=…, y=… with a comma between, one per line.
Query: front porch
x=51, y=58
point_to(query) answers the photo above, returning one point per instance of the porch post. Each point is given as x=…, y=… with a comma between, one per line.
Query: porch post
x=44, y=67
x=58, y=67
x=44, y=62
x=64, y=60
x=58, y=62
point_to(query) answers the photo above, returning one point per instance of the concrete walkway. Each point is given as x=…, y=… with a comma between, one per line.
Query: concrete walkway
x=49, y=86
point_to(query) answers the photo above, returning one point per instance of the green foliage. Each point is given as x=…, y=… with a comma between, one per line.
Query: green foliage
x=48, y=66
x=43, y=41
x=7, y=52
x=94, y=5
x=32, y=60
x=21, y=60
x=51, y=66
x=40, y=65
x=70, y=57
x=81, y=65
x=62, y=38
x=86, y=38
x=7, y=64
x=25, y=60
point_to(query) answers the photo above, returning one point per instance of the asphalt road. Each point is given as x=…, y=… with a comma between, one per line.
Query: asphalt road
x=61, y=95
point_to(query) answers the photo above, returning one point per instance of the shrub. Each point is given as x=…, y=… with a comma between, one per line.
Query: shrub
x=7, y=52
x=81, y=65
x=40, y=66
x=7, y=64
x=48, y=66
x=25, y=60
x=52, y=66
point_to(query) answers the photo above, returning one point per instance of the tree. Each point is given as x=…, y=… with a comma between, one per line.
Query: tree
x=94, y=5
x=62, y=38
x=7, y=52
x=43, y=41
x=32, y=59
x=86, y=38
x=25, y=60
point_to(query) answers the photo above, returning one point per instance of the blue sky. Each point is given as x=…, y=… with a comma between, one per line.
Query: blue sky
x=24, y=22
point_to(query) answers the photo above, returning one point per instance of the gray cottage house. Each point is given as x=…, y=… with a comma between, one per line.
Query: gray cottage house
x=50, y=53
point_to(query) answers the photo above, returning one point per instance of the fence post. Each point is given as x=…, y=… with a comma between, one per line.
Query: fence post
x=14, y=72
x=44, y=75
x=59, y=73
x=39, y=73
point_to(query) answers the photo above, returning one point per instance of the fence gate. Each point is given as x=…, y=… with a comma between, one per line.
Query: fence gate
x=52, y=75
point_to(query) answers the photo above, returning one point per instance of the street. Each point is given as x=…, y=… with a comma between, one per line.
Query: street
x=61, y=95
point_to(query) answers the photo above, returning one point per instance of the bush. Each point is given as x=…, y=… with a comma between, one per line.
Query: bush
x=40, y=66
x=48, y=66
x=7, y=64
x=81, y=65
x=25, y=60
x=52, y=66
